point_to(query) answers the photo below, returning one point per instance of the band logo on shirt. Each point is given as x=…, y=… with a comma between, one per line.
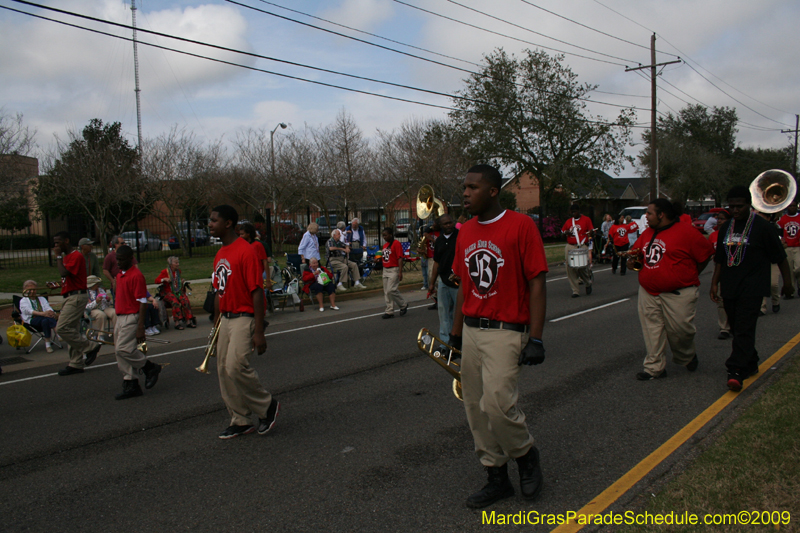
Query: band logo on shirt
x=483, y=260
x=622, y=232
x=221, y=273
x=655, y=253
x=792, y=229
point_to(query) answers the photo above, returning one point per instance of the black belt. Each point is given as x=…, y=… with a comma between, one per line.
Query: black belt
x=485, y=323
x=228, y=314
x=70, y=293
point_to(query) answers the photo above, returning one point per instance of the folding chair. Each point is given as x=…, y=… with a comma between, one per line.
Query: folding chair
x=35, y=332
x=290, y=286
x=410, y=259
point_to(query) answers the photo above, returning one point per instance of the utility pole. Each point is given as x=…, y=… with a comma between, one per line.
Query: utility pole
x=795, y=131
x=653, y=137
x=136, y=77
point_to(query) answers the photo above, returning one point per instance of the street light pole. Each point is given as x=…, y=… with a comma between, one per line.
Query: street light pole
x=283, y=126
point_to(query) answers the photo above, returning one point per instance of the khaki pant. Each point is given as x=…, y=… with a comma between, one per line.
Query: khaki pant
x=722, y=316
x=391, y=294
x=101, y=319
x=129, y=358
x=573, y=274
x=69, y=328
x=238, y=381
x=774, y=288
x=489, y=374
x=668, y=317
x=793, y=258
x=349, y=270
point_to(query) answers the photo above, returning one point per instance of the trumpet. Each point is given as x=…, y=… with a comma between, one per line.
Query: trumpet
x=211, y=347
x=637, y=255
x=107, y=337
x=426, y=341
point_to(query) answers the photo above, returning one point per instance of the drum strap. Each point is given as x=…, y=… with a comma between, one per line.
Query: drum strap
x=576, y=232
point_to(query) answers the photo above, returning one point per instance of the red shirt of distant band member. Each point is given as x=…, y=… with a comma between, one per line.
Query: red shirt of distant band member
x=392, y=254
x=76, y=268
x=495, y=262
x=431, y=241
x=790, y=224
x=670, y=263
x=236, y=275
x=583, y=225
x=261, y=255
x=619, y=234
x=131, y=287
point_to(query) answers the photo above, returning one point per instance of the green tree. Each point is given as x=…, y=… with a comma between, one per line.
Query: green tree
x=695, y=152
x=97, y=173
x=748, y=163
x=14, y=214
x=530, y=114
x=508, y=200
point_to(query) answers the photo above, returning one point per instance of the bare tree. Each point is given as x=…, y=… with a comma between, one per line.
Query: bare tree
x=16, y=139
x=181, y=173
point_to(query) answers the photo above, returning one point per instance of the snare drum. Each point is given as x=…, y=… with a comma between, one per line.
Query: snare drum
x=578, y=258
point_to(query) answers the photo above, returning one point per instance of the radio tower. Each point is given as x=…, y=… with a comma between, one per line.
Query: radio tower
x=136, y=77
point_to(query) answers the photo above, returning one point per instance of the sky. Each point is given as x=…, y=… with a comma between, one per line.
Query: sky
x=737, y=53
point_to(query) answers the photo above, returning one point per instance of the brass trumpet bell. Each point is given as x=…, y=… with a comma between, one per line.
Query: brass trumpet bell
x=211, y=347
x=427, y=203
x=772, y=191
x=107, y=337
x=430, y=343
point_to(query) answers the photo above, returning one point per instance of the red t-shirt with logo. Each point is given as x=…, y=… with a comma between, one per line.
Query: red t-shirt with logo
x=791, y=229
x=392, y=254
x=619, y=234
x=75, y=280
x=582, y=225
x=236, y=275
x=670, y=263
x=495, y=262
x=131, y=286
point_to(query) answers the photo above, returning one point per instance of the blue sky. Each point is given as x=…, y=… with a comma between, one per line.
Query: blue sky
x=60, y=77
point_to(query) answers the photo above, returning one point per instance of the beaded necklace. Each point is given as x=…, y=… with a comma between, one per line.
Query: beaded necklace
x=736, y=258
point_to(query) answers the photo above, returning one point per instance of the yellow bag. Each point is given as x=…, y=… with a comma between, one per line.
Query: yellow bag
x=18, y=336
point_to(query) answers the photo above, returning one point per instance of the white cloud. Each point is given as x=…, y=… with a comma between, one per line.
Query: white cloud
x=361, y=14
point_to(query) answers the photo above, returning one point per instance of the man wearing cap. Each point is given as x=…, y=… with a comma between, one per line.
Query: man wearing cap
x=92, y=263
x=98, y=309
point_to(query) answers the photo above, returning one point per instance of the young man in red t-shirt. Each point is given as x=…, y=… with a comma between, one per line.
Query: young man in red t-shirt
x=618, y=234
x=131, y=307
x=392, y=274
x=790, y=226
x=72, y=267
x=577, y=229
x=675, y=254
x=500, y=311
x=239, y=307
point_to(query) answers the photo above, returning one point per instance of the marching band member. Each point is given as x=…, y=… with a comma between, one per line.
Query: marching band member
x=618, y=235
x=240, y=301
x=72, y=267
x=131, y=306
x=392, y=258
x=576, y=229
x=674, y=256
x=746, y=247
x=790, y=226
x=724, y=326
x=500, y=311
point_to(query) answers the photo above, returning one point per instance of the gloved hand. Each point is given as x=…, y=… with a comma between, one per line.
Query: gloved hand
x=455, y=341
x=533, y=353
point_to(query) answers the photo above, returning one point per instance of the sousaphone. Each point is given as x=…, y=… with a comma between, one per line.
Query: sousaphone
x=427, y=203
x=772, y=191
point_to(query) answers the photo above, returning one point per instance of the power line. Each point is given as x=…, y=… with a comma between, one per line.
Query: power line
x=505, y=35
x=231, y=63
x=536, y=32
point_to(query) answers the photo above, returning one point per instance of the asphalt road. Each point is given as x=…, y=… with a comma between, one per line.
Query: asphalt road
x=369, y=438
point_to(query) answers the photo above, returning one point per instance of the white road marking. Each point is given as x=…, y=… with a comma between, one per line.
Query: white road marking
x=565, y=277
x=590, y=310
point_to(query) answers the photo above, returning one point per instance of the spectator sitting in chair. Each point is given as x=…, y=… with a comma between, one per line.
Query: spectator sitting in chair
x=315, y=283
x=173, y=293
x=338, y=254
x=98, y=309
x=152, y=318
x=36, y=311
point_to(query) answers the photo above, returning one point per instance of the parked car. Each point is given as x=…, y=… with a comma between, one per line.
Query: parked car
x=700, y=221
x=147, y=241
x=199, y=238
x=637, y=215
x=401, y=227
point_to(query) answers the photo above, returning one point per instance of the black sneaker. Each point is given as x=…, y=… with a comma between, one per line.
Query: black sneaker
x=530, y=474
x=588, y=290
x=130, y=389
x=91, y=355
x=387, y=315
x=267, y=423
x=498, y=487
x=735, y=381
x=723, y=335
x=692, y=366
x=151, y=371
x=575, y=295
x=776, y=308
x=646, y=376
x=69, y=371
x=235, y=431
x=404, y=310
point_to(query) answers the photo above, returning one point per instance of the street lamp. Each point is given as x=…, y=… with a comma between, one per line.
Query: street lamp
x=283, y=126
